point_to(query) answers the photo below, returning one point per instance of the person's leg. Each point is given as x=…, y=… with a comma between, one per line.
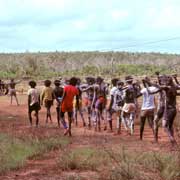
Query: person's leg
x=58, y=115
x=142, y=123
x=150, y=120
x=16, y=99
x=37, y=118
x=82, y=116
x=131, y=120
x=118, y=114
x=109, y=118
x=89, y=116
x=70, y=114
x=62, y=118
x=124, y=120
x=75, y=116
x=171, y=114
x=30, y=117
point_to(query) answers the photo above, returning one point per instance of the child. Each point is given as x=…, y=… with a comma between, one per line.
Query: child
x=58, y=94
x=33, y=102
x=47, y=97
x=70, y=91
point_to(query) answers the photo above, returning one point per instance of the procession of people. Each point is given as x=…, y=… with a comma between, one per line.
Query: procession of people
x=106, y=104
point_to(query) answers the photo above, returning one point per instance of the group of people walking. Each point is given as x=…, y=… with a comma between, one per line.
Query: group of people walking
x=103, y=104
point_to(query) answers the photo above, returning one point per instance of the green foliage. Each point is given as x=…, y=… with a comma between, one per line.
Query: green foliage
x=107, y=64
x=14, y=152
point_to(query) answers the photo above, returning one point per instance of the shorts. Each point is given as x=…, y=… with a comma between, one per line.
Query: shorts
x=35, y=107
x=12, y=92
x=48, y=103
x=147, y=112
x=129, y=108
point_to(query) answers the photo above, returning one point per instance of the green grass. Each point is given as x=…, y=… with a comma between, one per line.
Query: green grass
x=14, y=152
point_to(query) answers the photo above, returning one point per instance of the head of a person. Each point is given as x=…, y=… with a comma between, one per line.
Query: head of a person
x=120, y=84
x=12, y=80
x=47, y=83
x=57, y=82
x=114, y=81
x=99, y=80
x=129, y=79
x=90, y=80
x=78, y=81
x=163, y=79
x=147, y=81
x=32, y=84
x=73, y=81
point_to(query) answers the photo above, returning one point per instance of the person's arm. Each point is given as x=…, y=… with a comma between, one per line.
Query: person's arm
x=148, y=88
x=175, y=78
x=42, y=97
x=111, y=102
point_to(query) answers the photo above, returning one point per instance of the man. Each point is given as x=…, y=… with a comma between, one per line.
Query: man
x=110, y=109
x=129, y=108
x=148, y=106
x=12, y=90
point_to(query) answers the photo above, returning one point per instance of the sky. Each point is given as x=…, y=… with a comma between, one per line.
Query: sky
x=90, y=25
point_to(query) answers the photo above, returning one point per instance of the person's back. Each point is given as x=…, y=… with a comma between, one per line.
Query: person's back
x=148, y=99
x=70, y=92
x=129, y=95
x=34, y=94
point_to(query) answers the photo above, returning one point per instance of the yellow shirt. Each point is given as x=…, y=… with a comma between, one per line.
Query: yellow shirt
x=47, y=94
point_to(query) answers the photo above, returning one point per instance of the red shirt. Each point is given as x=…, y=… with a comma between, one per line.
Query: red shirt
x=67, y=103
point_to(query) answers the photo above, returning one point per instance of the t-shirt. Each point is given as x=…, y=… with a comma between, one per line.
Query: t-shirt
x=47, y=94
x=112, y=91
x=34, y=95
x=67, y=103
x=148, y=99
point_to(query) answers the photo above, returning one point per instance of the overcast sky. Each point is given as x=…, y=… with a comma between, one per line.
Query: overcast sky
x=85, y=25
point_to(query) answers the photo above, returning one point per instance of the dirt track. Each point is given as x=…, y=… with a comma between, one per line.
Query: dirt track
x=13, y=120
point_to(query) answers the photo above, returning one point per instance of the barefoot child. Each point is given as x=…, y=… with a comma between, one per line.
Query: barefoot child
x=58, y=94
x=47, y=97
x=33, y=102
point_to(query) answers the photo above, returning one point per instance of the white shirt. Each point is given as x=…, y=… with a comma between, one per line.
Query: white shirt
x=112, y=91
x=34, y=95
x=148, y=99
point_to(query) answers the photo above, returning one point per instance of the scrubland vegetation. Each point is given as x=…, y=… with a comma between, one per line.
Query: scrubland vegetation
x=108, y=64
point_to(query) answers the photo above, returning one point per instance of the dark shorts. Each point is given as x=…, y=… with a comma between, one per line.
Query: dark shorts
x=48, y=103
x=160, y=112
x=147, y=113
x=35, y=107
